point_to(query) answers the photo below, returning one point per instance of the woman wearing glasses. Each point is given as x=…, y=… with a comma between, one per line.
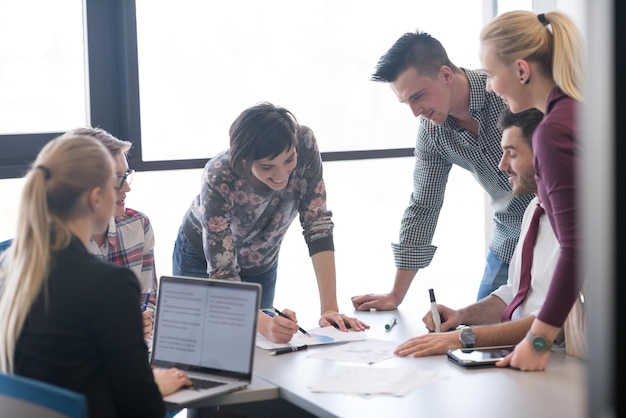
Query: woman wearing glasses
x=128, y=240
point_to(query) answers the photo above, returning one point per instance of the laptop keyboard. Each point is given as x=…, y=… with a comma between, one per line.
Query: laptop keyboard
x=198, y=384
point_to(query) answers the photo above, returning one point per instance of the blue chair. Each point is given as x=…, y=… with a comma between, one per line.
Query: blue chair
x=4, y=245
x=24, y=397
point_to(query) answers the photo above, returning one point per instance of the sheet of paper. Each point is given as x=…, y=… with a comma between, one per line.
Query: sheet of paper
x=369, y=381
x=368, y=351
x=322, y=335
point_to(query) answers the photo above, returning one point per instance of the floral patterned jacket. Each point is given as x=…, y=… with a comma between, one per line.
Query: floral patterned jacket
x=241, y=228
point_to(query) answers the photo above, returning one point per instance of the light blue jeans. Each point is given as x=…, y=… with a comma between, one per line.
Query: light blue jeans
x=495, y=275
x=187, y=262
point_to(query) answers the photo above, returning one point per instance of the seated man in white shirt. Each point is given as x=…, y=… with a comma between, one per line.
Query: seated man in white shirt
x=486, y=314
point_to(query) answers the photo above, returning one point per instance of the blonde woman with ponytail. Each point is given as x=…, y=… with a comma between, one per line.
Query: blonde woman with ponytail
x=48, y=328
x=534, y=61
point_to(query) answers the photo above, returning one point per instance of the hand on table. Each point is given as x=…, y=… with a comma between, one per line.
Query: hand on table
x=170, y=380
x=342, y=321
x=429, y=344
x=382, y=302
x=526, y=358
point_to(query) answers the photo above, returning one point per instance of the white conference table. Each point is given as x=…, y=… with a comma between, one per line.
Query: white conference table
x=560, y=391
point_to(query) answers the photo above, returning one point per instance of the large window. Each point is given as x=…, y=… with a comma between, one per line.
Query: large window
x=42, y=66
x=171, y=75
x=507, y=5
x=201, y=64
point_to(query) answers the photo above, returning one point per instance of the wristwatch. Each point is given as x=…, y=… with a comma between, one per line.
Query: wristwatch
x=467, y=337
x=539, y=343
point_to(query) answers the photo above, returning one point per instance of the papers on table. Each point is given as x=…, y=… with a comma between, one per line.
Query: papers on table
x=357, y=380
x=363, y=380
x=319, y=336
x=368, y=351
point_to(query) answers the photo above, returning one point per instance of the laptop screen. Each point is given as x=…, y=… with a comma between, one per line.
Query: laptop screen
x=206, y=325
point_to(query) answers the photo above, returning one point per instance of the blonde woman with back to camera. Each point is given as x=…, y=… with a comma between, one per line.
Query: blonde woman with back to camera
x=50, y=329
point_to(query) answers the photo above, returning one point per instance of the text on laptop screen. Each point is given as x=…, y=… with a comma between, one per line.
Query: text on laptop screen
x=205, y=325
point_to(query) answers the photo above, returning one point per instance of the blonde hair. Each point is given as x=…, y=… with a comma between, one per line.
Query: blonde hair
x=551, y=39
x=114, y=145
x=65, y=170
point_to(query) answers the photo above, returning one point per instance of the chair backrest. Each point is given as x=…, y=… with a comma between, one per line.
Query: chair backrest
x=24, y=397
x=5, y=244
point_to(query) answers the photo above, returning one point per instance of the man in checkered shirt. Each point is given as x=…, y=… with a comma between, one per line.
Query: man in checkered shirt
x=458, y=125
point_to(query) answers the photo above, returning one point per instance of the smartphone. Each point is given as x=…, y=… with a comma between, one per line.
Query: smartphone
x=479, y=356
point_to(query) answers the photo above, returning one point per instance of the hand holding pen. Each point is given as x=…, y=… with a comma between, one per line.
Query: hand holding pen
x=148, y=317
x=279, y=313
x=434, y=310
x=145, y=302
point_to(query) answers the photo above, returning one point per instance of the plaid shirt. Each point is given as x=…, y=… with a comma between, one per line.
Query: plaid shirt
x=436, y=150
x=130, y=243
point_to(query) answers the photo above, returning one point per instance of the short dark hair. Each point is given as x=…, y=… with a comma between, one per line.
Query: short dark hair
x=261, y=131
x=527, y=121
x=416, y=50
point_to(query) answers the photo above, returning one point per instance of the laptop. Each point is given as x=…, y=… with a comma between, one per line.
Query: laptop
x=206, y=328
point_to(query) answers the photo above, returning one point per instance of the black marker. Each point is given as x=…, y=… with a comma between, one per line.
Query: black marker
x=289, y=350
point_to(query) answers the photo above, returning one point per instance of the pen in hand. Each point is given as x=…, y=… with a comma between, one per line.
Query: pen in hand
x=434, y=310
x=289, y=350
x=145, y=302
x=285, y=316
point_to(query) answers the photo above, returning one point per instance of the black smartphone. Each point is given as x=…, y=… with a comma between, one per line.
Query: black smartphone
x=479, y=356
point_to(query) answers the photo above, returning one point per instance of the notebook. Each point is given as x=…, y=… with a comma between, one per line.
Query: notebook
x=207, y=328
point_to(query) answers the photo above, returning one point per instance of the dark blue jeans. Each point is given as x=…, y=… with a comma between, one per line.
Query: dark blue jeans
x=495, y=275
x=187, y=262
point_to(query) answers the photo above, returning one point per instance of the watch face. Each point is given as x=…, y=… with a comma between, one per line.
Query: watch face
x=468, y=337
x=539, y=343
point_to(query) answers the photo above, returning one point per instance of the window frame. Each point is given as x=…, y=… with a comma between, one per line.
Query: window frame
x=113, y=96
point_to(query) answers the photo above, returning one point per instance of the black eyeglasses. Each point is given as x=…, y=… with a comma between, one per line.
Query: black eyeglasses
x=127, y=177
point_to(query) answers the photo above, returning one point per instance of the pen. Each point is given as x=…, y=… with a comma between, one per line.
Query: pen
x=434, y=310
x=145, y=302
x=285, y=316
x=289, y=350
x=393, y=321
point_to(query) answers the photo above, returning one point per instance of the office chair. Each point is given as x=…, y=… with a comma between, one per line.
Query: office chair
x=5, y=244
x=22, y=397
